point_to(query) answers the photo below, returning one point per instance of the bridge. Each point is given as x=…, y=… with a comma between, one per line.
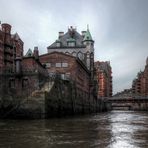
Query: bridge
x=129, y=102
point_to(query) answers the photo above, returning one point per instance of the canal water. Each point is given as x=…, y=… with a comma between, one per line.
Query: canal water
x=116, y=129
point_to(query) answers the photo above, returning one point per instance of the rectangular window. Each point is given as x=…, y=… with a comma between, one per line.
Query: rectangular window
x=64, y=64
x=58, y=65
x=71, y=44
x=58, y=44
x=48, y=65
x=11, y=83
x=52, y=64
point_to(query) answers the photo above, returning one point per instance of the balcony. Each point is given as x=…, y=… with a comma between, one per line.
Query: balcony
x=8, y=44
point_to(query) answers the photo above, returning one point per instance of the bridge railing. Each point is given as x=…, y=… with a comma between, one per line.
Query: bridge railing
x=140, y=97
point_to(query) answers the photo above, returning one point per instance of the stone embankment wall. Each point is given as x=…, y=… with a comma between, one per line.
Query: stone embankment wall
x=56, y=98
x=65, y=99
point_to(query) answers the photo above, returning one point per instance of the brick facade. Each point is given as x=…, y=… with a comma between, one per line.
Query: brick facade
x=140, y=84
x=68, y=67
x=18, y=75
x=11, y=47
x=104, y=78
x=75, y=44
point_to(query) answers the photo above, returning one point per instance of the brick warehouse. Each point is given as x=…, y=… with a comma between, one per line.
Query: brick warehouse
x=77, y=45
x=68, y=67
x=104, y=77
x=78, y=51
x=71, y=57
x=80, y=46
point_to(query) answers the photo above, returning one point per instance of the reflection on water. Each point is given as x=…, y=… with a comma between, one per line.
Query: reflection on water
x=116, y=129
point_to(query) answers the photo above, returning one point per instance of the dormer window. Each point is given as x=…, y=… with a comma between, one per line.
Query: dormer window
x=58, y=43
x=71, y=42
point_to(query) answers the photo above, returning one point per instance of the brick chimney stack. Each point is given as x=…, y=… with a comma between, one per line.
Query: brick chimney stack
x=36, y=53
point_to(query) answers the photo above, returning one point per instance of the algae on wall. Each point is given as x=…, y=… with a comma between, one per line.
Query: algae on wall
x=65, y=99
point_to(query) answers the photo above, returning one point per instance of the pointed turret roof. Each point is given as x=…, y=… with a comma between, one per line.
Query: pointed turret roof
x=87, y=35
x=29, y=53
x=16, y=36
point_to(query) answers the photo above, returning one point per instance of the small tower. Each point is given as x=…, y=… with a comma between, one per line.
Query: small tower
x=6, y=29
x=89, y=43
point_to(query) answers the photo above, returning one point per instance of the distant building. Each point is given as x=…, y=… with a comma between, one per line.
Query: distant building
x=124, y=93
x=140, y=84
x=104, y=78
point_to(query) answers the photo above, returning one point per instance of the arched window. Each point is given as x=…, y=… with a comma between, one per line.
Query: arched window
x=80, y=55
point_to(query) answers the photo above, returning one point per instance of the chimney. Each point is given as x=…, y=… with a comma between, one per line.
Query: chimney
x=6, y=28
x=61, y=33
x=36, y=53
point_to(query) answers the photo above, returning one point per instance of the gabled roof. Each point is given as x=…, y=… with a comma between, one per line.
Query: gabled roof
x=56, y=52
x=16, y=36
x=70, y=35
x=29, y=53
x=67, y=55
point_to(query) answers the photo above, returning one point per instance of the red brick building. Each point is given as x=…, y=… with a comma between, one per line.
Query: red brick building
x=140, y=84
x=104, y=78
x=17, y=73
x=11, y=47
x=27, y=78
x=68, y=67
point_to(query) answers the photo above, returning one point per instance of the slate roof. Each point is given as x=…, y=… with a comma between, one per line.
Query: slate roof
x=73, y=36
x=16, y=36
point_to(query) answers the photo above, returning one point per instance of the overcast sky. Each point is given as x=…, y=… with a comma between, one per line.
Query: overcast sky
x=118, y=27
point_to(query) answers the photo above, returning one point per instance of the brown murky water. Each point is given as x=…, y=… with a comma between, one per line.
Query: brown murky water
x=116, y=129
